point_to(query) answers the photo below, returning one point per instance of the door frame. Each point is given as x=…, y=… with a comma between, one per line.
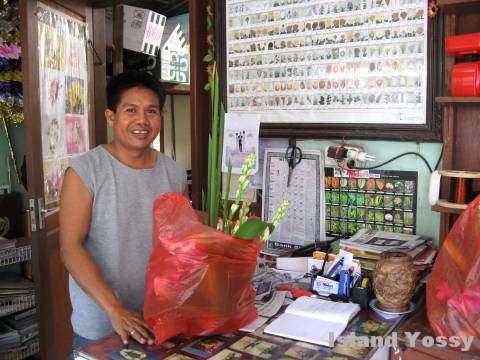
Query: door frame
x=50, y=276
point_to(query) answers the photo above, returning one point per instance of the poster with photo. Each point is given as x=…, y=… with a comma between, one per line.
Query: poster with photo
x=74, y=95
x=53, y=112
x=53, y=171
x=240, y=139
x=374, y=199
x=75, y=129
x=336, y=61
x=51, y=47
x=62, y=51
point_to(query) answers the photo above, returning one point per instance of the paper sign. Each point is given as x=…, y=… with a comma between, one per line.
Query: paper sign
x=240, y=139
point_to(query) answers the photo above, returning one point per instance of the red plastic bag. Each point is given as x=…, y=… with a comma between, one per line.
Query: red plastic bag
x=199, y=280
x=453, y=288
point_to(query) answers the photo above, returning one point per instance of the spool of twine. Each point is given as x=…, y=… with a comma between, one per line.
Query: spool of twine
x=461, y=186
x=462, y=189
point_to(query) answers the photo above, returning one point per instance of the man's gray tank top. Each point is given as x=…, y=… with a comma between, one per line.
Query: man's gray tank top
x=120, y=235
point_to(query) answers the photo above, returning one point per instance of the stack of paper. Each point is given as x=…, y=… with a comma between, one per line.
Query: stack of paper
x=13, y=284
x=25, y=323
x=427, y=256
x=9, y=337
x=368, y=245
x=6, y=243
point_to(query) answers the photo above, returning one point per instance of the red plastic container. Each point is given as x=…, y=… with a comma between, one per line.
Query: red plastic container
x=463, y=44
x=466, y=79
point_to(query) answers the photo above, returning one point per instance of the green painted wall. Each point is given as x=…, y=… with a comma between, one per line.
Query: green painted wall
x=17, y=137
x=428, y=222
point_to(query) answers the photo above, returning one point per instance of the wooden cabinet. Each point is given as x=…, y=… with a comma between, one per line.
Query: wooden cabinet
x=461, y=115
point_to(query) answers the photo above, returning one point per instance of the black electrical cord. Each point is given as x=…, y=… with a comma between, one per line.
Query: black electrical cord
x=399, y=156
x=439, y=158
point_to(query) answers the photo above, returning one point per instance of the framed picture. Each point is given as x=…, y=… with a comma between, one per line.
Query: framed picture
x=337, y=68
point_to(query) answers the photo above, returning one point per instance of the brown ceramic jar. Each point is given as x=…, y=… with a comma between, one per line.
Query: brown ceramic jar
x=394, y=281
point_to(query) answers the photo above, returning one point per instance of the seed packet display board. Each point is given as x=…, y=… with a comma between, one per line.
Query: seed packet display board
x=373, y=199
x=328, y=61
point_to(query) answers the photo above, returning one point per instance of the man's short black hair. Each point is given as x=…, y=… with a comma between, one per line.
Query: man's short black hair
x=127, y=80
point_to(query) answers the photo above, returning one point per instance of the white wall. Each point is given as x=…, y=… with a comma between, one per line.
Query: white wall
x=181, y=106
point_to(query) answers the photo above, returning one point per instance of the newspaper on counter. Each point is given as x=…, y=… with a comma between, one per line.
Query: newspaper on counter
x=374, y=241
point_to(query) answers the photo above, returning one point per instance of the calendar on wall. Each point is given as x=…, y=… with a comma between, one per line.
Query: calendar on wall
x=342, y=61
x=373, y=199
x=304, y=221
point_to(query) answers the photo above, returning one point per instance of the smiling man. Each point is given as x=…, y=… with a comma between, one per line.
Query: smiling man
x=106, y=213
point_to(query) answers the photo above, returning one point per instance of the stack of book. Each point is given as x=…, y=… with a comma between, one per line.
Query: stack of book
x=13, y=284
x=6, y=243
x=9, y=338
x=368, y=245
x=18, y=329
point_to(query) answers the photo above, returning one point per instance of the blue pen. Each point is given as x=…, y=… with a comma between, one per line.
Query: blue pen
x=354, y=277
x=333, y=271
x=344, y=283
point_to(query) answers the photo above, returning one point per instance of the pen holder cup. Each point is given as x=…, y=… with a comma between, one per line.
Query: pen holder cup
x=362, y=296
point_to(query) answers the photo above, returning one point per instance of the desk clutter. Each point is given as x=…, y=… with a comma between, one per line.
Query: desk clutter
x=242, y=345
x=308, y=307
x=374, y=269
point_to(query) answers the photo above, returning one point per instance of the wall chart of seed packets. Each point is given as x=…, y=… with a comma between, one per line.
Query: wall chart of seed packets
x=63, y=95
x=373, y=199
x=328, y=61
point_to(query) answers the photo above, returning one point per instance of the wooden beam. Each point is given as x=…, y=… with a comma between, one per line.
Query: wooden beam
x=112, y=3
x=459, y=6
x=99, y=75
x=199, y=99
x=446, y=220
x=118, y=40
x=108, y=3
x=32, y=125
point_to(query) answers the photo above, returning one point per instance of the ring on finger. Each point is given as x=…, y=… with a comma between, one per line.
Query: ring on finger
x=132, y=332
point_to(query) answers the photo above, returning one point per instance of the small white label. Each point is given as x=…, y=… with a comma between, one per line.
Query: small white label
x=325, y=285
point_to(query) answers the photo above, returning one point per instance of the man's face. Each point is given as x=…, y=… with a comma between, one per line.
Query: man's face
x=137, y=119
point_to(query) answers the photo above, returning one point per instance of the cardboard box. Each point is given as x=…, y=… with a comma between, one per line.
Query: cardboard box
x=142, y=30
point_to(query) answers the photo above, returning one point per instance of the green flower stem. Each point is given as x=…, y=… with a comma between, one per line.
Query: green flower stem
x=242, y=185
x=226, y=196
x=282, y=210
x=215, y=148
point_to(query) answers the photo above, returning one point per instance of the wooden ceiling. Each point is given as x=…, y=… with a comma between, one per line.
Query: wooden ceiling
x=164, y=7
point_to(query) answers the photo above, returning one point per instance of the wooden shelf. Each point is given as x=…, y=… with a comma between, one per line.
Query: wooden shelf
x=459, y=6
x=473, y=100
x=176, y=89
x=456, y=2
x=442, y=209
x=32, y=347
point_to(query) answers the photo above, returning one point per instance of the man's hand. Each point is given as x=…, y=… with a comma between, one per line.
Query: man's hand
x=127, y=323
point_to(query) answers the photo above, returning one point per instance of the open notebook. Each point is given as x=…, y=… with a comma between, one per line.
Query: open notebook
x=313, y=320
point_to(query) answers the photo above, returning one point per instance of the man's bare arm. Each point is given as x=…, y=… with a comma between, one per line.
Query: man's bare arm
x=75, y=218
